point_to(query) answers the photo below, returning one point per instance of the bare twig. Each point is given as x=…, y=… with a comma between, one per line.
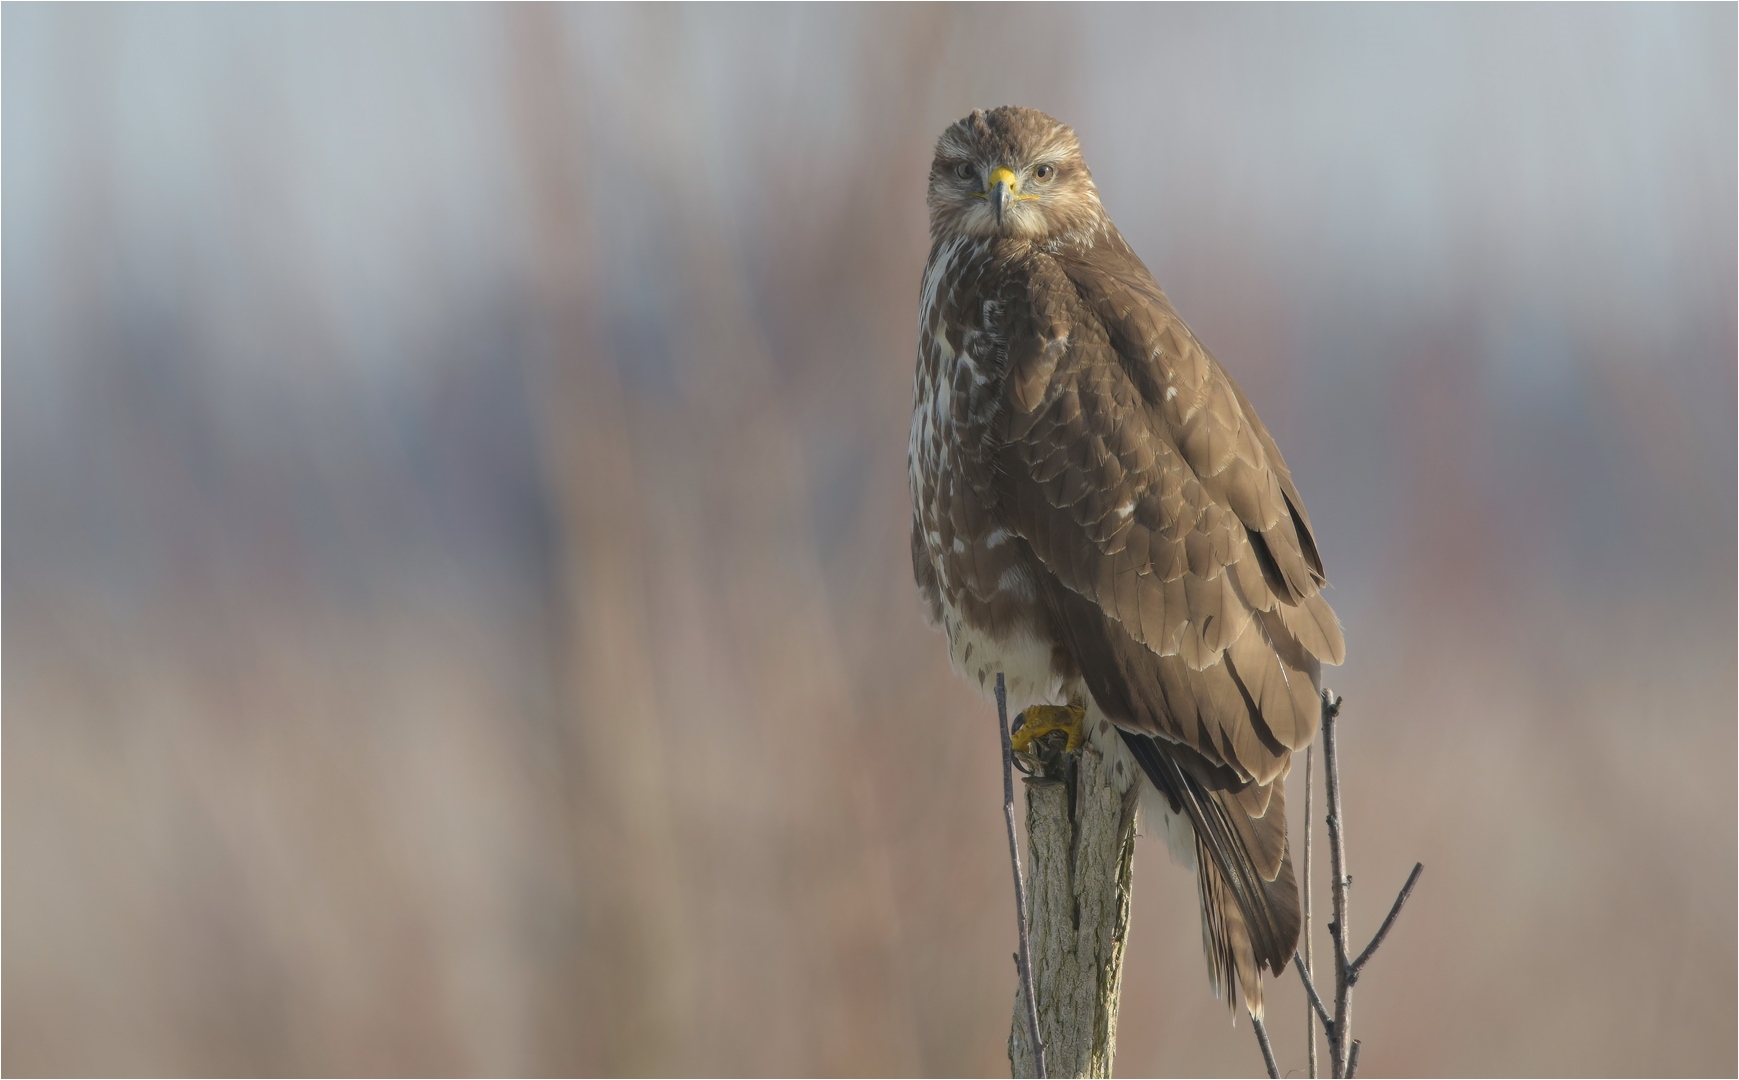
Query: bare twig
x=1383, y=931
x=1267, y=1048
x=1337, y=856
x=1315, y=999
x=1309, y=961
x=1343, y=1049
x=1023, y=959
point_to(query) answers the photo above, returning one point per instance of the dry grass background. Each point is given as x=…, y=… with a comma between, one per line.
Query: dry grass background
x=457, y=607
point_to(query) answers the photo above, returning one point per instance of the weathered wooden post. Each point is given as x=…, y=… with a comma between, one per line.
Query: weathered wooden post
x=1081, y=847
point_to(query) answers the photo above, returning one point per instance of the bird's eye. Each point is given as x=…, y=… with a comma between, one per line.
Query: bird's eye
x=965, y=171
x=1044, y=172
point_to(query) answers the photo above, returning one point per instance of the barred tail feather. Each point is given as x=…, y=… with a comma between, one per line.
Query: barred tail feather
x=1249, y=896
x=1225, y=938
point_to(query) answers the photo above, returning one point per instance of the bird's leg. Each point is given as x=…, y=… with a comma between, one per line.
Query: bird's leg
x=1038, y=721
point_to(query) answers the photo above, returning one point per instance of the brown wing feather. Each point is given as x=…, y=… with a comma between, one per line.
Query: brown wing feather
x=1142, y=481
x=1249, y=897
x=1172, y=547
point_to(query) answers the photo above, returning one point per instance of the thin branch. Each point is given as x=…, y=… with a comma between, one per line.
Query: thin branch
x=1267, y=1050
x=1315, y=1000
x=1337, y=853
x=1383, y=931
x=1343, y=1049
x=1309, y=968
x=1023, y=959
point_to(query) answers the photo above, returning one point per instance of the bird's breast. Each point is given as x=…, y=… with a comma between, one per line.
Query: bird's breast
x=984, y=572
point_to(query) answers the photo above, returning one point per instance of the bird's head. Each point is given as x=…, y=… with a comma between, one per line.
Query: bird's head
x=1011, y=172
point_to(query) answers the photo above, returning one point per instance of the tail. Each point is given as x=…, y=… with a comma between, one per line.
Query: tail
x=1249, y=896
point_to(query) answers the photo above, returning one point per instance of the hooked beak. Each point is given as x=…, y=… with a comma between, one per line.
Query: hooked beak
x=1003, y=189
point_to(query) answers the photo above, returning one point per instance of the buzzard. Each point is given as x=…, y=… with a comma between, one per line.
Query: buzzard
x=1099, y=514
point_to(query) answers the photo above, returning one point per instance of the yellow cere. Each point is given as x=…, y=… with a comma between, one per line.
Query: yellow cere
x=1003, y=175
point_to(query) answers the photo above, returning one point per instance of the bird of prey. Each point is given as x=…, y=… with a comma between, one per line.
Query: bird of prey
x=1099, y=514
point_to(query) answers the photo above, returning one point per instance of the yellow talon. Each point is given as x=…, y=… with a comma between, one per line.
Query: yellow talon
x=1041, y=720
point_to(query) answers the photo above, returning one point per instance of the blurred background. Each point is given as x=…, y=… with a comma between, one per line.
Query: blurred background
x=458, y=616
